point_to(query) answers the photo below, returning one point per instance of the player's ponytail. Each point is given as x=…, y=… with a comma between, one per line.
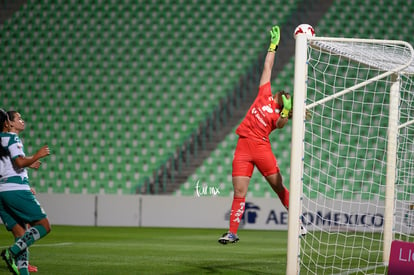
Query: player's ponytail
x=11, y=114
x=3, y=119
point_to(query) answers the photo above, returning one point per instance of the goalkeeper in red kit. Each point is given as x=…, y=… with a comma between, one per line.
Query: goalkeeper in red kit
x=268, y=112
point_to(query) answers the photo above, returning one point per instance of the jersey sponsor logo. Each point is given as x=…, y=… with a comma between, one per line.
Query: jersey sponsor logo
x=256, y=114
x=261, y=112
x=267, y=109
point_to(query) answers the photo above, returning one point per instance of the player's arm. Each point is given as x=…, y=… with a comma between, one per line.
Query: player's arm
x=270, y=56
x=287, y=107
x=35, y=165
x=32, y=161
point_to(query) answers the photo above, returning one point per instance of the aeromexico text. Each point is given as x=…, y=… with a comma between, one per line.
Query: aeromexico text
x=320, y=218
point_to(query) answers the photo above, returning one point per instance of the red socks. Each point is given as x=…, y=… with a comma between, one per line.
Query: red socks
x=284, y=197
x=236, y=214
x=237, y=209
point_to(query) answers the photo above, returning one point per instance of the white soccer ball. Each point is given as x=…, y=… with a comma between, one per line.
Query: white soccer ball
x=305, y=29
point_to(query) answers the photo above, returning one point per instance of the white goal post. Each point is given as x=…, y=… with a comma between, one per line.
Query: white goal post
x=352, y=163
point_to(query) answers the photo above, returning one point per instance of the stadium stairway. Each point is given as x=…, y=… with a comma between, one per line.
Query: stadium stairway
x=25, y=70
x=8, y=8
x=307, y=11
x=95, y=70
x=330, y=25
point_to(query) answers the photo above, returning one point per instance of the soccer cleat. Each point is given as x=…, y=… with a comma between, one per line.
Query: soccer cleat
x=10, y=262
x=228, y=238
x=32, y=268
x=303, y=230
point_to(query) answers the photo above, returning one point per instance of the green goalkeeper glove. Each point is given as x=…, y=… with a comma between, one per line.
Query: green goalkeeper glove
x=274, y=39
x=287, y=106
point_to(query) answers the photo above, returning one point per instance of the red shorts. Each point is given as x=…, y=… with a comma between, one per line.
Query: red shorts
x=251, y=152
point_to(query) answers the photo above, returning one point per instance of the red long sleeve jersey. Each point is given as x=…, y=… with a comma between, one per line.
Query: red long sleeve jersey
x=261, y=118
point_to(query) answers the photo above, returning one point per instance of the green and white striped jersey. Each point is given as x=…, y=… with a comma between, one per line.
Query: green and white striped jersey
x=11, y=177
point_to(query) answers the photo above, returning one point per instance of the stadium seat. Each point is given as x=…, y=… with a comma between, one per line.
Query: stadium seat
x=102, y=70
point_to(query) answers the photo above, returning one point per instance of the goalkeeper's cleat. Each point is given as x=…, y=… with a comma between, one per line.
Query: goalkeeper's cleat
x=303, y=231
x=10, y=262
x=228, y=238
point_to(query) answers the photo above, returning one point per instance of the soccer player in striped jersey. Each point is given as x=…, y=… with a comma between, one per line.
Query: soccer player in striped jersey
x=18, y=205
x=267, y=113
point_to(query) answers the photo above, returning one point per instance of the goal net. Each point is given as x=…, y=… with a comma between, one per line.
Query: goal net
x=357, y=170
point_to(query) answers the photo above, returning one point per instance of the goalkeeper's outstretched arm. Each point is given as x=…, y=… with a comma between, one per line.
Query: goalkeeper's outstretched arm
x=270, y=56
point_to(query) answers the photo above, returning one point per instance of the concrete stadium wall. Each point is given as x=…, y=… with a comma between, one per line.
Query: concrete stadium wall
x=159, y=211
x=210, y=212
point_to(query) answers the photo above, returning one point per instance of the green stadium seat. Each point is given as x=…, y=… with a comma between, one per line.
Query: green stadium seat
x=107, y=59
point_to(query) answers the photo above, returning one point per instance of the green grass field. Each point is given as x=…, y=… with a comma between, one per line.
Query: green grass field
x=75, y=250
